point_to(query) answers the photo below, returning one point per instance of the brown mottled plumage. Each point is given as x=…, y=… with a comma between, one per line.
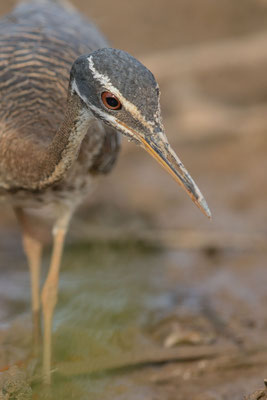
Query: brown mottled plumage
x=59, y=118
x=36, y=54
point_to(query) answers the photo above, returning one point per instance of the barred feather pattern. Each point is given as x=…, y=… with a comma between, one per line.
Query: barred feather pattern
x=39, y=41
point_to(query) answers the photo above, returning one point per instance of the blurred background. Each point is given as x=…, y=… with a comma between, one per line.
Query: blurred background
x=181, y=300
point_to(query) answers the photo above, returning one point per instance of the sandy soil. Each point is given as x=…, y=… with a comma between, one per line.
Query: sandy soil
x=156, y=301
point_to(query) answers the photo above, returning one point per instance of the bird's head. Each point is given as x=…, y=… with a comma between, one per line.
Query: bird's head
x=124, y=94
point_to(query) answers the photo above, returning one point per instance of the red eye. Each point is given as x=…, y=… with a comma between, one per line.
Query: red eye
x=110, y=101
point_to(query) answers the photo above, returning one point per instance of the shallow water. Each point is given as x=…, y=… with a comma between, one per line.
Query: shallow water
x=120, y=305
x=107, y=296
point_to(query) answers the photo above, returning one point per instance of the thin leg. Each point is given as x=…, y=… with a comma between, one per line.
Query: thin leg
x=33, y=250
x=50, y=290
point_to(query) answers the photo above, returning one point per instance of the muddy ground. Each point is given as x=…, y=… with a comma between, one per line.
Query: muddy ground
x=157, y=302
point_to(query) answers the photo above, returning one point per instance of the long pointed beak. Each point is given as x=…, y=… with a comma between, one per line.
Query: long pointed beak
x=157, y=145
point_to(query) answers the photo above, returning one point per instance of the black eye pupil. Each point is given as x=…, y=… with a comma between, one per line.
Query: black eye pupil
x=112, y=102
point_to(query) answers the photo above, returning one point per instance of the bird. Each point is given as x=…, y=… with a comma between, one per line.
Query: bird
x=67, y=97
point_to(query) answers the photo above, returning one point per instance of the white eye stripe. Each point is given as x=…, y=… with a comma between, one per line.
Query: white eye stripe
x=105, y=81
x=104, y=115
x=112, y=120
x=74, y=88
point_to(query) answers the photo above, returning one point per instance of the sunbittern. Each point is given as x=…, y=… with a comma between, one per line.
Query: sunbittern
x=60, y=120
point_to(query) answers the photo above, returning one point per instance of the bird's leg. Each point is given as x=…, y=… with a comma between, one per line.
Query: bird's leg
x=33, y=250
x=50, y=290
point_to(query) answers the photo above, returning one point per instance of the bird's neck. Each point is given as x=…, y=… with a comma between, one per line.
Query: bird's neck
x=44, y=166
x=64, y=148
